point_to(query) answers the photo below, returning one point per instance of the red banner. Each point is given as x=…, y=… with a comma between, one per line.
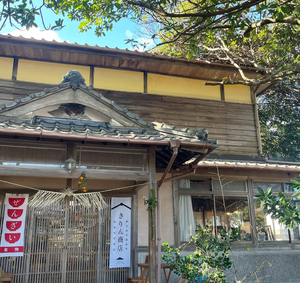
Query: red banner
x=12, y=240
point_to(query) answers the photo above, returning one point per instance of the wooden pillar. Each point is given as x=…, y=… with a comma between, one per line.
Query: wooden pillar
x=64, y=255
x=176, y=213
x=28, y=256
x=152, y=220
x=257, y=124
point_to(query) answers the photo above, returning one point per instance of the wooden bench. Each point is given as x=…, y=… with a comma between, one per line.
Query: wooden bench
x=135, y=279
x=138, y=279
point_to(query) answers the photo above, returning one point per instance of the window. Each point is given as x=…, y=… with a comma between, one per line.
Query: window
x=112, y=158
x=267, y=228
x=276, y=187
x=288, y=188
x=229, y=206
x=231, y=212
x=15, y=153
x=225, y=213
x=228, y=185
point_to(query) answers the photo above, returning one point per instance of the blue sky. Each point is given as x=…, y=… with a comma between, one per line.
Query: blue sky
x=121, y=31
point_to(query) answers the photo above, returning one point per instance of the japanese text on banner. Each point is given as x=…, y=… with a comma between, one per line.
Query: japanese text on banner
x=12, y=240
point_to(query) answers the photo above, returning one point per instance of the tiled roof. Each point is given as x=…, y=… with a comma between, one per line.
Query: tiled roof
x=16, y=102
x=96, y=129
x=212, y=61
x=249, y=165
x=146, y=131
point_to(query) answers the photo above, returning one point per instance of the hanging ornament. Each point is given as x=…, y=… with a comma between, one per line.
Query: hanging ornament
x=82, y=182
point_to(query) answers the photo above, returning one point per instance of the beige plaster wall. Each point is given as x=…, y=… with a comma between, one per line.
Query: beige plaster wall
x=167, y=219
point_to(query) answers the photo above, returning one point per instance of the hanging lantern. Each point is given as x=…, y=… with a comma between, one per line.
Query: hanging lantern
x=70, y=164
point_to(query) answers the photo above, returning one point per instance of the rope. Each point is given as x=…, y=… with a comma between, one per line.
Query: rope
x=45, y=198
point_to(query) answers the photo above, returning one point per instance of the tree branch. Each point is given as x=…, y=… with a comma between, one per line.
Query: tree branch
x=237, y=8
x=287, y=20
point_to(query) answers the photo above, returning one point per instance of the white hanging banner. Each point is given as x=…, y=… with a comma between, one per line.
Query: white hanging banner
x=12, y=240
x=120, y=232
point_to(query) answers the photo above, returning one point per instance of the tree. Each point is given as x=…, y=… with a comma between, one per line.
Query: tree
x=209, y=261
x=281, y=207
x=263, y=34
x=279, y=117
x=24, y=13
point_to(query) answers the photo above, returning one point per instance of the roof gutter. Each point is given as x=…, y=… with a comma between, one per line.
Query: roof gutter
x=42, y=134
x=284, y=169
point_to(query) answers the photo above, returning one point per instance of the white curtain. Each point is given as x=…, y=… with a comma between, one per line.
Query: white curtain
x=186, y=218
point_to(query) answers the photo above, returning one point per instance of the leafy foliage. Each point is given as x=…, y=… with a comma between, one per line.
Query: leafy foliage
x=279, y=117
x=24, y=13
x=209, y=261
x=281, y=207
x=260, y=33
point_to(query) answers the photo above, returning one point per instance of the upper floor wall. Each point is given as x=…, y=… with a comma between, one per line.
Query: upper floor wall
x=121, y=80
x=228, y=112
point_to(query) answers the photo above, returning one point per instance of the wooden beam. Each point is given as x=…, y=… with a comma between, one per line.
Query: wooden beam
x=35, y=171
x=15, y=69
x=145, y=82
x=92, y=76
x=110, y=52
x=222, y=92
x=152, y=220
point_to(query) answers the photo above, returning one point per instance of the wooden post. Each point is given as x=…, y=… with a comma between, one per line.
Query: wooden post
x=257, y=125
x=152, y=220
x=176, y=213
x=65, y=248
x=252, y=212
x=134, y=243
x=28, y=256
x=99, y=263
x=145, y=82
x=15, y=69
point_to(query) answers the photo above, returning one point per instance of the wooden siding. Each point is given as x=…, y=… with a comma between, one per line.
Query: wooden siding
x=10, y=90
x=232, y=124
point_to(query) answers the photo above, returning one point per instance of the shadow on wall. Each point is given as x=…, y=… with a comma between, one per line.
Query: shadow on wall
x=261, y=266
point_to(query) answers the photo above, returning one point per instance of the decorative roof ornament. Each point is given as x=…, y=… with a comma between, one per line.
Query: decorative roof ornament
x=75, y=79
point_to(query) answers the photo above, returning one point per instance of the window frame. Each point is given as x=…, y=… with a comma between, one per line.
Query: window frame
x=213, y=194
x=249, y=193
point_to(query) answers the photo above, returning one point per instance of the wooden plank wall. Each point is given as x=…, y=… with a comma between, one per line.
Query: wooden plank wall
x=232, y=124
x=11, y=90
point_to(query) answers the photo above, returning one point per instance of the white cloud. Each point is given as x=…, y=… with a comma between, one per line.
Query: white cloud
x=36, y=33
x=129, y=34
x=141, y=41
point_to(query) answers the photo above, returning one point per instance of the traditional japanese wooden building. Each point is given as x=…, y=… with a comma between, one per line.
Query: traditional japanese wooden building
x=133, y=121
